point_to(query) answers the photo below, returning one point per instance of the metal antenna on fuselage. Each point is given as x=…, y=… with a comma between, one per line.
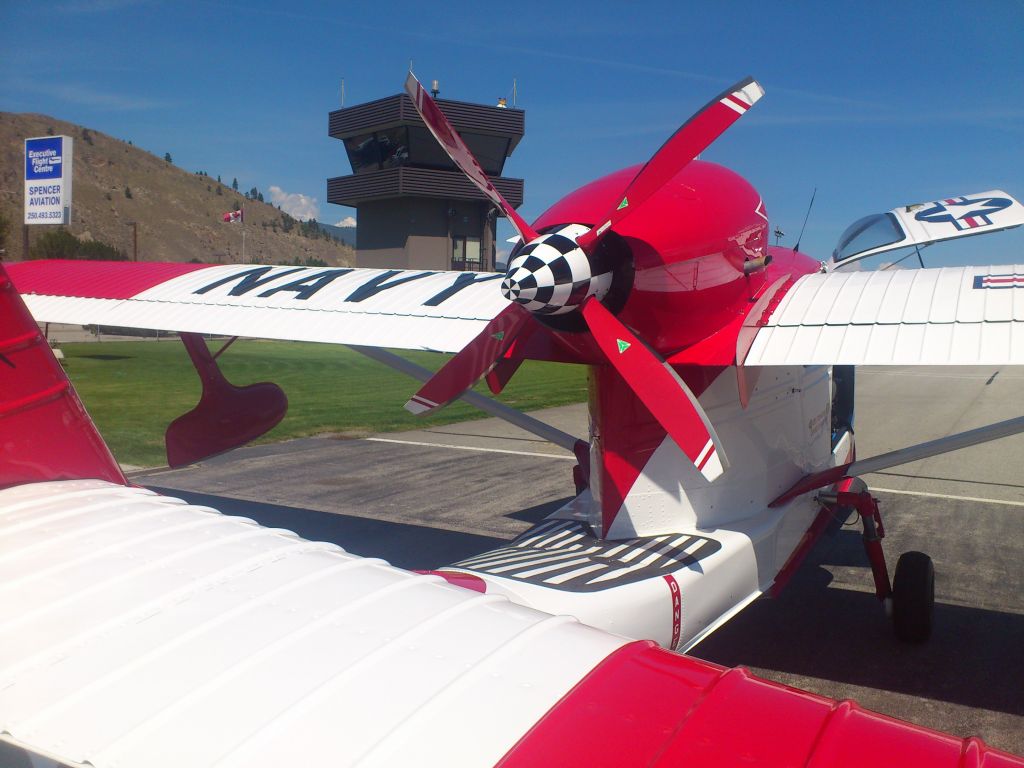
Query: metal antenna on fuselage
x=806, y=217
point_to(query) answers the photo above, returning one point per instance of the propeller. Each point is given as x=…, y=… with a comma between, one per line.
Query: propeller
x=568, y=270
x=659, y=388
x=472, y=363
x=457, y=150
x=692, y=138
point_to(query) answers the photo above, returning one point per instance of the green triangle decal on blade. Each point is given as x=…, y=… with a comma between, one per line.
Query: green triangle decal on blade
x=623, y=204
x=623, y=345
x=498, y=336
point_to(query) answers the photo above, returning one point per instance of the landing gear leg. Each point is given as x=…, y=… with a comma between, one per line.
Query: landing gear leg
x=910, y=599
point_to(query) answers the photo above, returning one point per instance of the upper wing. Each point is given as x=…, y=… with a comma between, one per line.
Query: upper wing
x=405, y=309
x=926, y=223
x=950, y=316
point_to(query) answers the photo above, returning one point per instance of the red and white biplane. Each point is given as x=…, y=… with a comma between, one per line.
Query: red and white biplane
x=142, y=631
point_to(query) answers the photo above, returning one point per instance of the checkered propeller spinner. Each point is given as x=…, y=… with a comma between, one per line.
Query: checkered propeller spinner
x=566, y=271
x=552, y=275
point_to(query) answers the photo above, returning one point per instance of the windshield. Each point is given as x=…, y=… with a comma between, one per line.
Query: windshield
x=868, y=233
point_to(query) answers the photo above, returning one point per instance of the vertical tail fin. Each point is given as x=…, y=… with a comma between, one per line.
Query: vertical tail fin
x=45, y=432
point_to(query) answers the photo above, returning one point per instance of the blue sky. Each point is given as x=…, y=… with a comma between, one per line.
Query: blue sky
x=875, y=104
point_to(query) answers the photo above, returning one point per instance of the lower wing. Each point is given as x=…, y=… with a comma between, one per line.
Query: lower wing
x=155, y=633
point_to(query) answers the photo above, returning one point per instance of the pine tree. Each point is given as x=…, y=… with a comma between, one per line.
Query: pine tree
x=234, y=185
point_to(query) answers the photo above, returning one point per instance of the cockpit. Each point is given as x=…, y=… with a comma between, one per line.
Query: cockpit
x=867, y=234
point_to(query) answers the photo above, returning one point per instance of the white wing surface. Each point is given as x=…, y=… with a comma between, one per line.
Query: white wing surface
x=139, y=630
x=406, y=309
x=951, y=316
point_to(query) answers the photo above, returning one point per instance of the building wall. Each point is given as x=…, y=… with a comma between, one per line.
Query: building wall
x=416, y=233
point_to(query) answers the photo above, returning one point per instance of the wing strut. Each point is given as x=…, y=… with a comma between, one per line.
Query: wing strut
x=485, y=404
x=903, y=456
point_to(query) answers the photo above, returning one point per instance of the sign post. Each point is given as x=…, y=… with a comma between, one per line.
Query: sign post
x=48, y=164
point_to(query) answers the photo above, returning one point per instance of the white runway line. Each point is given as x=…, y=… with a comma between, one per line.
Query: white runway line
x=573, y=458
x=936, y=375
x=470, y=448
x=949, y=496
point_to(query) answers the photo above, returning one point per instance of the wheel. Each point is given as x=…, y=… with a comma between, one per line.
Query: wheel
x=913, y=597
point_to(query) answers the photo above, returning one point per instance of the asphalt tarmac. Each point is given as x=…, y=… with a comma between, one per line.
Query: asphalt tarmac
x=424, y=499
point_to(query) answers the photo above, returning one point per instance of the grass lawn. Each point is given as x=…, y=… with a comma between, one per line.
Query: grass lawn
x=133, y=390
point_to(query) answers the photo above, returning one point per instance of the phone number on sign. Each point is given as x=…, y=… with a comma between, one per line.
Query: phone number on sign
x=45, y=215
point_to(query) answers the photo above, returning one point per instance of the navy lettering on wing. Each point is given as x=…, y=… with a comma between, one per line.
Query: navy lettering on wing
x=307, y=286
x=462, y=280
x=377, y=284
x=250, y=280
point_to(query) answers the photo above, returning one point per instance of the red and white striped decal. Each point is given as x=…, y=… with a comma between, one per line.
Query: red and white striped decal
x=705, y=453
x=418, y=405
x=743, y=99
x=1003, y=281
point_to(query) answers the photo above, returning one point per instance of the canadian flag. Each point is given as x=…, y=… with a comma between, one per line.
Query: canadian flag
x=233, y=216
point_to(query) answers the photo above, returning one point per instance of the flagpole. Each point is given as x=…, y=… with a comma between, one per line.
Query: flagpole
x=242, y=222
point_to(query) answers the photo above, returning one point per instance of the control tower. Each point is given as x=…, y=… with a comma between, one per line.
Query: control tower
x=416, y=210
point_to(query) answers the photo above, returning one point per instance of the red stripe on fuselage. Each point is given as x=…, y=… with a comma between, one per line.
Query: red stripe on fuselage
x=94, y=279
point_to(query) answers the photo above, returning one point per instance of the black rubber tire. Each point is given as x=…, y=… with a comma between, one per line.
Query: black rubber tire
x=913, y=597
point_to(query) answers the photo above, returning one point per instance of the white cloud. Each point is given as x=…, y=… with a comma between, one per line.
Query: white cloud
x=302, y=207
x=80, y=94
x=97, y=6
x=348, y=221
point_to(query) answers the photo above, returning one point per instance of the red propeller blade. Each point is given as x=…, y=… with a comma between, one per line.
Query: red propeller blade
x=499, y=377
x=692, y=138
x=503, y=371
x=457, y=150
x=472, y=362
x=659, y=388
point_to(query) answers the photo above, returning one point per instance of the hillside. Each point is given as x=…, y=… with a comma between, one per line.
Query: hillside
x=179, y=213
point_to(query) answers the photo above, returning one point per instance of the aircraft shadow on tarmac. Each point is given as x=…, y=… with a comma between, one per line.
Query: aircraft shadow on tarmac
x=973, y=658
x=404, y=545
